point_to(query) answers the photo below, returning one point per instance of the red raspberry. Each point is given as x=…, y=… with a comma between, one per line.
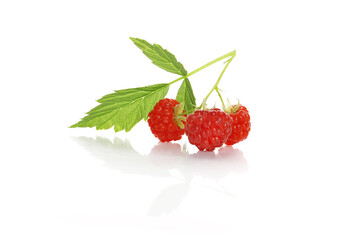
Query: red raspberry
x=165, y=120
x=240, y=125
x=208, y=129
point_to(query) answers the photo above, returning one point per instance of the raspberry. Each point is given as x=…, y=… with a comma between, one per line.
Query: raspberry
x=208, y=129
x=240, y=125
x=165, y=120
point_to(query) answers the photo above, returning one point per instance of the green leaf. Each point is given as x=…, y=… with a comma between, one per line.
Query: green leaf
x=185, y=94
x=123, y=109
x=160, y=57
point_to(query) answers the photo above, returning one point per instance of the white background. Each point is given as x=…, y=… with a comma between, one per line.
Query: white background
x=296, y=70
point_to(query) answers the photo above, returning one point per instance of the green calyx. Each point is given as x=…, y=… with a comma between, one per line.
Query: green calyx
x=232, y=108
x=179, y=113
x=204, y=106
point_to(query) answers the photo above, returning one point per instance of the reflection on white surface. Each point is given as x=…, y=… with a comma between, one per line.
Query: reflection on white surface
x=163, y=159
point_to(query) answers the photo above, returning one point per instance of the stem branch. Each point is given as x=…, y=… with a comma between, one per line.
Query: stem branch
x=215, y=87
x=222, y=101
x=230, y=54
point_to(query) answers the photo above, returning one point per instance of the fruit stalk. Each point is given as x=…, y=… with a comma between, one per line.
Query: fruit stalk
x=231, y=54
x=215, y=87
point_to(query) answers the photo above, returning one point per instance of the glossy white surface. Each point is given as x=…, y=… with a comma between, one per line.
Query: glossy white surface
x=297, y=71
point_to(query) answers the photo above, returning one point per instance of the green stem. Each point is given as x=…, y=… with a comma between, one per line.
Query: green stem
x=230, y=54
x=215, y=87
x=222, y=101
x=176, y=80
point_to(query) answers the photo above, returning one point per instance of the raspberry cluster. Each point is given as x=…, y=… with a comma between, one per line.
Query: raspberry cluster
x=206, y=129
x=166, y=121
x=240, y=126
